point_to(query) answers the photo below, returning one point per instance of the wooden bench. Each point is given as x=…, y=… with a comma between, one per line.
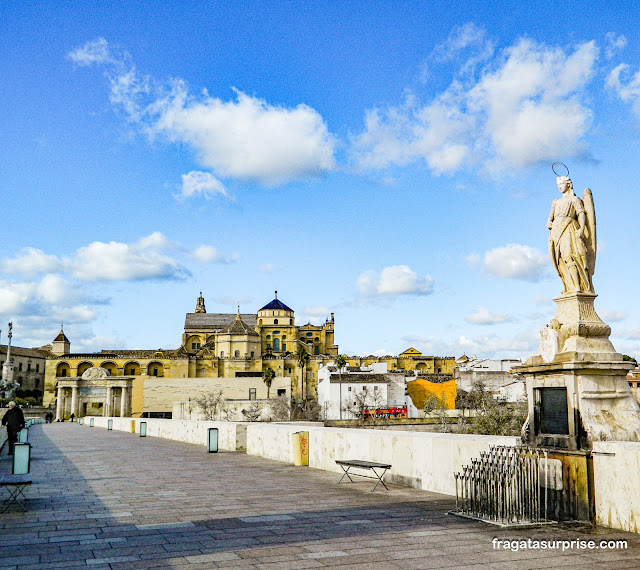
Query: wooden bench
x=379, y=469
x=15, y=485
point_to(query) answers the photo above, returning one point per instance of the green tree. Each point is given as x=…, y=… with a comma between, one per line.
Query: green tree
x=340, y=362
x=303, y=358
x=267, y=377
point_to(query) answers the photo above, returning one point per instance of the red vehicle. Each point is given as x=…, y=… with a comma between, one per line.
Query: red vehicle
x=387, y=413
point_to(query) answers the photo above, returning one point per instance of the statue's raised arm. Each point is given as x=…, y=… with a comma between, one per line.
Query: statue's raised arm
x=572, y=238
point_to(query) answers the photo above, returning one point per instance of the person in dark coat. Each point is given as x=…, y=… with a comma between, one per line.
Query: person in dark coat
x=13, y=420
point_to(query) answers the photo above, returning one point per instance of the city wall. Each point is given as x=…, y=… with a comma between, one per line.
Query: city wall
x=423, y=460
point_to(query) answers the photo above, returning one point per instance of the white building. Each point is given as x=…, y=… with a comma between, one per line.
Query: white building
x=496, y=376
x=343, y=392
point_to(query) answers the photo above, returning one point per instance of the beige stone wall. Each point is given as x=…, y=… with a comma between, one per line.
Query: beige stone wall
x=160, y=394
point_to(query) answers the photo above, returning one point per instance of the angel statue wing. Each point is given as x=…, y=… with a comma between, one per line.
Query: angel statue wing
x=590, y=233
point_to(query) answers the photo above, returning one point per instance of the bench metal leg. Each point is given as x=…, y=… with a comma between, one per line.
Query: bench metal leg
x=379, y=476
x=345, y=474
x=13, y=497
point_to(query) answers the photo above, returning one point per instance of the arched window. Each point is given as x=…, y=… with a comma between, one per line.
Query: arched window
x=222, y=354
x=276, y=344
x=82, y=367
x=155, y=369
x=316, y=350
x=237, y=354
x=132, y=369
x=110, y=367
x=63, y=369
x=275, y=321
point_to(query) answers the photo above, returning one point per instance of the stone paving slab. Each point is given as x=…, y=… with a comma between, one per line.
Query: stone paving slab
x=108, y=499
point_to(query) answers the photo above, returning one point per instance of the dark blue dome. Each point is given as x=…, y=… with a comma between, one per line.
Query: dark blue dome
x=276, y=305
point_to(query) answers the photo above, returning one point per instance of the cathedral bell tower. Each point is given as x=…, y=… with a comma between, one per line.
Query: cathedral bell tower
x=200, y=308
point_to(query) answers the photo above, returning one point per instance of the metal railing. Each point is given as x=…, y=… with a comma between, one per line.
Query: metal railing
x=506, y=485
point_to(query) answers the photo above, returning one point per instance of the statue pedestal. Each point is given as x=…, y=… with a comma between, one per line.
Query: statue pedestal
x=577, y=384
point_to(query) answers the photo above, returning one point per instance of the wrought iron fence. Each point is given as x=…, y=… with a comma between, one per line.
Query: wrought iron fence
x=506, y=485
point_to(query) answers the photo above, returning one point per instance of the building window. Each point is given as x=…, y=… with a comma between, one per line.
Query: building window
x=290, y=321
x=63, y=372
x=155, y=372
x=284, y=346
x=439, y=370
x=316, y=350
x=222, y=354
x=284, y=337
x=252, y=354
x=309, y=334
x=375, y=387
x=276, y=332
x=37, y=368
x=20, y=367
x=268, y=337
x=349, y=388
x=276, y=344
x=282, y=392
x=237, y=353
x=195, y=345
x=275, y=321
x=28, y=366
x=317, y=339
x=252, y=393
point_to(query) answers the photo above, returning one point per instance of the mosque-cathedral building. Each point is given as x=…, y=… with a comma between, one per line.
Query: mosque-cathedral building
x=224, y=352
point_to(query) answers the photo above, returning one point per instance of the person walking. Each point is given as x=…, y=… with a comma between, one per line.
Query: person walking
x=13, y=420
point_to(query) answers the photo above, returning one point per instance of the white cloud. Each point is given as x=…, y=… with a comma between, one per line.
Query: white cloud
x=515, y=262
x=265, y=268
x=314, y=315
x=204, y=183
x=30, y=262
x=394, y=281
x=94, y=52
x=209, y=254
x=246, y=138
x=51, y=298
x=115, y=261
x=626, y=86
x=524, y=106
x=483, y=316
x=520, y=345
x=612, y=316
x=614, y=43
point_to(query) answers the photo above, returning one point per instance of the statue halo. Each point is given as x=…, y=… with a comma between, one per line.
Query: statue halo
x=554, y=170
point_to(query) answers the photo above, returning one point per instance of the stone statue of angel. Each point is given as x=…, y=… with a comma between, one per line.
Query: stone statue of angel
x=572, y=239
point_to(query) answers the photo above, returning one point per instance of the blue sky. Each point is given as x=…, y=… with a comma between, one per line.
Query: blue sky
x=387, y=162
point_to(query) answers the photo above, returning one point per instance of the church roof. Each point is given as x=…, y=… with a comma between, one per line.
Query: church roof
x=215, y=321
x=277, y=305
x=238, y=326
x=61, y=337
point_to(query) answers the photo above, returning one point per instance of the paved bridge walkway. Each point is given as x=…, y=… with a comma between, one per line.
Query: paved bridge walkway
x=108, y=499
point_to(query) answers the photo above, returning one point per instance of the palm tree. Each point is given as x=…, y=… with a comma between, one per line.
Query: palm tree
x=303, y=358
x=340, y=362
x=267, y=377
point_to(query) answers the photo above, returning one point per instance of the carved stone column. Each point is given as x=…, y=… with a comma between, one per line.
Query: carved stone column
x=109, y=403
x=60, y=403
x=124, y=402
x=74, y=400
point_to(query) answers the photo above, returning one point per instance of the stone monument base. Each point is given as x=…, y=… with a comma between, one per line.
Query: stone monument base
x=577, y=385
